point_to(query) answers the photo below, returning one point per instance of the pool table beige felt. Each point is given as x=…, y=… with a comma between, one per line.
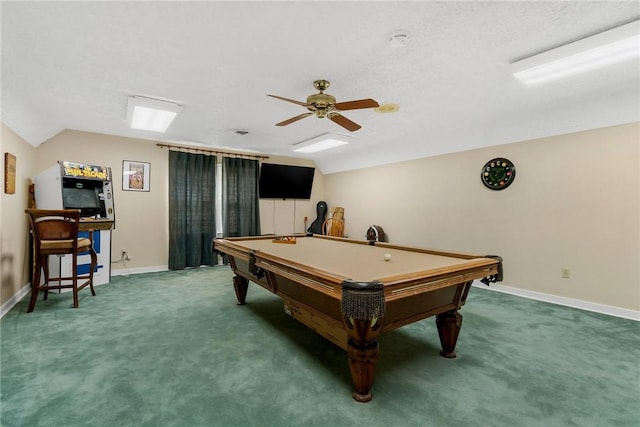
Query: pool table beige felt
x=347, y=291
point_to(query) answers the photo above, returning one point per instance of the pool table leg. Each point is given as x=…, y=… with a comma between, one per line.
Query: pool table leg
x=449, y=324
x=362, y=351
x=240, y=284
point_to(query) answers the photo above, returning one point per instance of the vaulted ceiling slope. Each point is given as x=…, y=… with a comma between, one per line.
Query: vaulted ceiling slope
x=73, y=65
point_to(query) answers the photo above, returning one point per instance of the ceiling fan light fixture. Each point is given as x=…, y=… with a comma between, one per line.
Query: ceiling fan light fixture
x=151, y=114
x=320, y=143
x=324, y=105
x=616, y=45
x=321, y=113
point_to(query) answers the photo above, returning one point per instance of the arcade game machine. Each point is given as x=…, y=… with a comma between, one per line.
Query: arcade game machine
x=68, y=185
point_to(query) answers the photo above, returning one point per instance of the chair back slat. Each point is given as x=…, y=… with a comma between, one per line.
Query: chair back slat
x=54, y=224
x=57, y=230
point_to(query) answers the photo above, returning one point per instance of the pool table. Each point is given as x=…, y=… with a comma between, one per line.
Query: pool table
x=352, y=291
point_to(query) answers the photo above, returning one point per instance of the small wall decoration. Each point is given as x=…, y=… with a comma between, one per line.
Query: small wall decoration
x=498, y=173
x=136, y=176
x=9, y=173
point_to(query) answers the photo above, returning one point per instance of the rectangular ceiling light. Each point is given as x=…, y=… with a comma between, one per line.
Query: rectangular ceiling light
x=151, y=114
x=610, y=47
x=320, y=143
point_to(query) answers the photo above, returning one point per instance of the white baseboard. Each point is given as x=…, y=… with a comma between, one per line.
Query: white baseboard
x=11, y=302
x=569, y=302
x=139, y=270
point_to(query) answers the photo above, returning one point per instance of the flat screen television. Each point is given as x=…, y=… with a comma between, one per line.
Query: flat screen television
x=285, y=181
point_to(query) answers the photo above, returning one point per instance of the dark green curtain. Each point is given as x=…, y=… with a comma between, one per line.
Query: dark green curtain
x=192, y=213
x=240, y=207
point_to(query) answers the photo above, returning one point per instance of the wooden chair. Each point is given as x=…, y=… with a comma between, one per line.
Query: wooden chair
x=55, y=232
x=334, y=226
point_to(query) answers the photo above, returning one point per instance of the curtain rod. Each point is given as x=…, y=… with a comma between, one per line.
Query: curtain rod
x=206, y=150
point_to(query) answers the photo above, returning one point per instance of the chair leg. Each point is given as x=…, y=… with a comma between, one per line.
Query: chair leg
x=45, y=266
x=74, y=278
x=35, y=285
x=76, y=303
x=75, y=293
x=94, y=263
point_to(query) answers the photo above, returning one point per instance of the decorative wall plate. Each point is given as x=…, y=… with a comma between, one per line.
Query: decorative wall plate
x=498, y=173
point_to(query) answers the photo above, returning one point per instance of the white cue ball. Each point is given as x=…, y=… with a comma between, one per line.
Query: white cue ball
x=387, y=257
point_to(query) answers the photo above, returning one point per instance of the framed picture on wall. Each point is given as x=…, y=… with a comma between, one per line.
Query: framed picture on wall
x=9, y=173
x=136, y=176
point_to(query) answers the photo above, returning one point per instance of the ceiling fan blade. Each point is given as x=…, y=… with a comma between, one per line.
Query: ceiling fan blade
x=344, y=122
x=294, y=119
x=355, y=105
x=304, y=104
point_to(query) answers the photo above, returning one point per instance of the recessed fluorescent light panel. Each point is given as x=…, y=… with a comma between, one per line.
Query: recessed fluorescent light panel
x=320, y=143
x=613, y=46
x=151, y=114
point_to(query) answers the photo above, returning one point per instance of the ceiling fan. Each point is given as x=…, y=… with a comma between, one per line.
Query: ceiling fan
x=324, y=105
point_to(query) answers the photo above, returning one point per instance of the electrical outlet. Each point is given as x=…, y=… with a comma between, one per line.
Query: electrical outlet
x=565, y=273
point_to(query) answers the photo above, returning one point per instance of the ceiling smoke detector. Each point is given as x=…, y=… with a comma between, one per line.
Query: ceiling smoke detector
x=398, y=38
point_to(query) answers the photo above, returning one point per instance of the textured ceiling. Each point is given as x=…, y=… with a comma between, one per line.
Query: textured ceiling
x=72, y=65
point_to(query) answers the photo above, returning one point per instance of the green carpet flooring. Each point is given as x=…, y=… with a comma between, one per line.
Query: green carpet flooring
x=173, y=349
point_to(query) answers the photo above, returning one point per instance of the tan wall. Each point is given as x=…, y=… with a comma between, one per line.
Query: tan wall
x=574, y=204
x=14, y=240
x=141, y=217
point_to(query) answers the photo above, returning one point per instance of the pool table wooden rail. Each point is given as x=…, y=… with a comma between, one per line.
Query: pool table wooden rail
x=475, y=268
